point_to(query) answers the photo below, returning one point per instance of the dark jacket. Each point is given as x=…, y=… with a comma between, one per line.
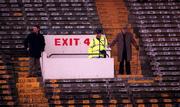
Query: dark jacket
x=35, y=43
x=119, y=40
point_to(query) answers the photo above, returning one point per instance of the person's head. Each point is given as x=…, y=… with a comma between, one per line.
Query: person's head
x=36, y=28
x=126, y=28
x=98, y=33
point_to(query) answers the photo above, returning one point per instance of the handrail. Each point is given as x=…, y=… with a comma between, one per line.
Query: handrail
x=74, y=54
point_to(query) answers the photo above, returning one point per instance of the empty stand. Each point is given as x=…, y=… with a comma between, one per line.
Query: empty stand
x=87, y=92
x=156, y=23
x=156, y=93
x=54, y=17
x=158, y=27
x=133, y=92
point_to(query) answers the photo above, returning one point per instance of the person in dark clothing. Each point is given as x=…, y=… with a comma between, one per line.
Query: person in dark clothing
x=124, y=40
x=35, y=43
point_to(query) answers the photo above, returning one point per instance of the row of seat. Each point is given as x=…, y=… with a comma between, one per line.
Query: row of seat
x=16, y=8
x=42, y=1
x=53, y=14
x=170, y=76
x=75, y=9
x=8, y=93
x=160, y=35
x=62, y=26
x=162, y=39
x=154, y=7
x=152, y=21
x=156, y=26
x=153, y=3
x=7, y=25
x=159, y=30
x=169, y=63
x=158, y=17
x=168, y=58
x=153, y=12
x=155, y=44
x=65, y=18
x=48, y=30
x=62, y=4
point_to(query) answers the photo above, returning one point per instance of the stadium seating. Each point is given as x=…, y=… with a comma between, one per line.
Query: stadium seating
x=158, y=93
x=8, y=91
x=156, y=23
x=87, y=92
x=158, y=27
x=54, y=17
x=118, y=92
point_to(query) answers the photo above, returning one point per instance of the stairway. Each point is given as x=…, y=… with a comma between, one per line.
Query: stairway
x=113, y=16
x=30, y=89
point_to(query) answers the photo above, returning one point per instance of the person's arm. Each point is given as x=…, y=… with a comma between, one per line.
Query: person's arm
x=106, y=42
x=114, y=41
x=90, y=49
x=43, y=43
x=26, y=43
x=133, y=41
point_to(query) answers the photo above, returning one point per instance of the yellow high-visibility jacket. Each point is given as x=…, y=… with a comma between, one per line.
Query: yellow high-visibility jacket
x=96, y=46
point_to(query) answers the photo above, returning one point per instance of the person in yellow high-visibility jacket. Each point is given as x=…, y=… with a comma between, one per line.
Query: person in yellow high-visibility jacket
x=98, y=45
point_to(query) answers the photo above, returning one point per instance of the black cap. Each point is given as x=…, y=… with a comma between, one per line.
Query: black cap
x=98, y=31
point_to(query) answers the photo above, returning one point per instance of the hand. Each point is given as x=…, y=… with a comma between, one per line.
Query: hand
x=27, y=49
x=108, y=46
x=137, y=48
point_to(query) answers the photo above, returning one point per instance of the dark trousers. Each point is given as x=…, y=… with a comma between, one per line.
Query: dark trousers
x=121, y=65
x=34, y=65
